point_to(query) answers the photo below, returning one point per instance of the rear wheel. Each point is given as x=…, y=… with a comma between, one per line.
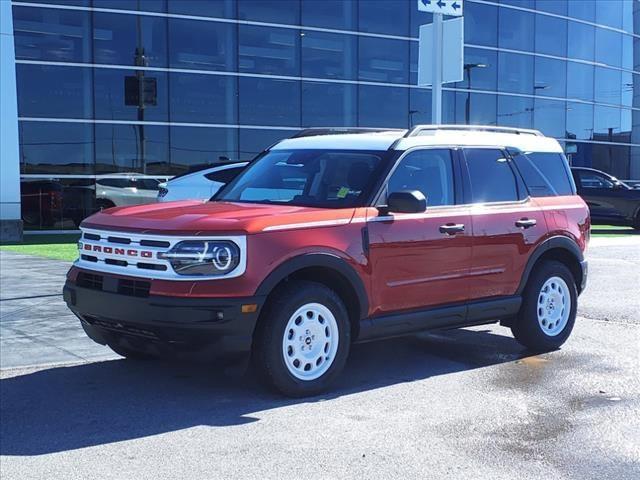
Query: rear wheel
x=636, y=222
x=303, y=339
x=548, y=310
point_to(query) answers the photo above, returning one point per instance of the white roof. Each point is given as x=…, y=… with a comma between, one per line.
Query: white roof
x=464, y=136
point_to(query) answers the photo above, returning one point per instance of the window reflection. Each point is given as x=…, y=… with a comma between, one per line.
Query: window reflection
x=51, y=147
x=117, y=98
x=515, y=111
x=329, y=55
x=581, y=42
x=201, y=45
x=140, y=5
x=269, y=102
x=269, y=50
x=131, y=148
x=480, y=69
x=385, y=17
x=66, y=92
x=476, y=108
x=515, y=73
x=608, y=85
x=328, y=104
x=193, y=147
x=383, y=106
x=609, y=13
x=481, y=24
x=254, y=141
x=219, y=8
x=420, y=106
x=558, y=7
x=584, y=10
x=122, y=39
x=201, y=98
x=551, y=35
x=606, y=123
x=579, y=121
x=383, y=60
x=550, y=77
x=549, y=117
x=340, y=14
x=275, y=11
x=608, y=47
x=51, y=34
x=579, y=81
x=516, y=29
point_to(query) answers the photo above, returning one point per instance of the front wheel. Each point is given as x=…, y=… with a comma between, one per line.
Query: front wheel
x=548, y=310
x=303, y=339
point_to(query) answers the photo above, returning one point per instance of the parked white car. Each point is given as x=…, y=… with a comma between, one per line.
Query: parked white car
x=125, y=189
x=200, y=185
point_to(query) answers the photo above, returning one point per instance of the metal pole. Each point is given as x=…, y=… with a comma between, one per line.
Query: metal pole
x=436, y=92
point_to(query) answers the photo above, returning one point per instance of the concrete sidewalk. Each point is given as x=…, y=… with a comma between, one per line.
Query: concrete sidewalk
x=36, y=328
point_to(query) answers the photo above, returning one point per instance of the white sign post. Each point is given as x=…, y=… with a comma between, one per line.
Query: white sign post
x=433, y=68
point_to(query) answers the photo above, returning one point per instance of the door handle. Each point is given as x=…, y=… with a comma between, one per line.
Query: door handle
x=452, y=228
x=526, y=223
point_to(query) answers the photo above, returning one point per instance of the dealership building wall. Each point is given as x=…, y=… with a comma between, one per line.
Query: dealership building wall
x=223, y=79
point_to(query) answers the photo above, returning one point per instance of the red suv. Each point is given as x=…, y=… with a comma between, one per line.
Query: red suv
x=335, y=237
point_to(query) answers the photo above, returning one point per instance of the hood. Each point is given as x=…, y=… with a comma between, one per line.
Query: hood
x=198, y=218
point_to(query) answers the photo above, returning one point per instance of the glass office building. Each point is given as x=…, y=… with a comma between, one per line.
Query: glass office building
x=115, y=95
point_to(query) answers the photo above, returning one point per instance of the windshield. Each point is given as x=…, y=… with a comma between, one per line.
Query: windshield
x=313, y=178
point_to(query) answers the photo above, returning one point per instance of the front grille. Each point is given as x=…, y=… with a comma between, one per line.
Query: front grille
x=141, y=255
x=89, y=280
x=134, y=288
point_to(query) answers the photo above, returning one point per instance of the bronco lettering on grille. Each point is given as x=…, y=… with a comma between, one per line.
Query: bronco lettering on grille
x=118, y=251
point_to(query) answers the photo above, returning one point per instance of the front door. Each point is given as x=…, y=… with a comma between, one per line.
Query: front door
x=421, y=260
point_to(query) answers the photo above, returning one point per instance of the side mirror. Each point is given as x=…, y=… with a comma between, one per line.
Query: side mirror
x=406, y=201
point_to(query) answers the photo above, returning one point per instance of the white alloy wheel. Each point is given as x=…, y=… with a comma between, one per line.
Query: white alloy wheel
x=310, y=341
x=554, y=306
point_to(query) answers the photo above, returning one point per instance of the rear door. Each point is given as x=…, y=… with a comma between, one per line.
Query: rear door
x=507, y=223
x=421, y=260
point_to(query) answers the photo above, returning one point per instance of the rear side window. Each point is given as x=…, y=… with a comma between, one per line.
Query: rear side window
x=224, y=176
x=546, y=174
x=492, y=179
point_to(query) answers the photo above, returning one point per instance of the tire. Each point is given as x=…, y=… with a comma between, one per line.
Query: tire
x=636, y=222
x=548, y=310
x=128, y=353
x=302, y=315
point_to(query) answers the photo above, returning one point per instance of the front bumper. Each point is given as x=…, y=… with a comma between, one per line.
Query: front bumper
x=176, y=326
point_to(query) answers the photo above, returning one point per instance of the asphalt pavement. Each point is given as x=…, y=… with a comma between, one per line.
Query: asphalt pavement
x=460, y=404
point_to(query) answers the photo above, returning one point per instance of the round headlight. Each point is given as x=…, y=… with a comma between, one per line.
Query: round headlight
x=203, y=257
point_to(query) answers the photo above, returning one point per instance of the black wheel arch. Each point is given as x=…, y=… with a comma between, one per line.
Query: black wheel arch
x=560, y=248
x=326, y=268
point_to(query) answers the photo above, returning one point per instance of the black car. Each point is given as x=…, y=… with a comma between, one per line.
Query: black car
x=610, y=201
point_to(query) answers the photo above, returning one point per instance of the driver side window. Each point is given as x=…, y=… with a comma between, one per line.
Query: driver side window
x=429, y=171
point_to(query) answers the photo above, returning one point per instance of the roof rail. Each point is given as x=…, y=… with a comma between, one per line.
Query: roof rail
x=311, y=132
x=418, y=129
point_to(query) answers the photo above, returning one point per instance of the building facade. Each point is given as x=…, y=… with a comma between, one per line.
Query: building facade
x=118, y=94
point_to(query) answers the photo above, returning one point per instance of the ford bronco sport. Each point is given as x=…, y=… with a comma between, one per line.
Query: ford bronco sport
x=334, y=237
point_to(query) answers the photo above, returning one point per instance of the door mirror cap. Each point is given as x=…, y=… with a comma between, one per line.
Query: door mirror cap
x=405, y=201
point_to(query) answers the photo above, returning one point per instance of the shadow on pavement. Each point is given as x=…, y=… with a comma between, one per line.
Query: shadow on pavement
x=66, y=408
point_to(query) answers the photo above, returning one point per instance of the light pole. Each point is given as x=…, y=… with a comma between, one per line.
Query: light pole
x=467, y=104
